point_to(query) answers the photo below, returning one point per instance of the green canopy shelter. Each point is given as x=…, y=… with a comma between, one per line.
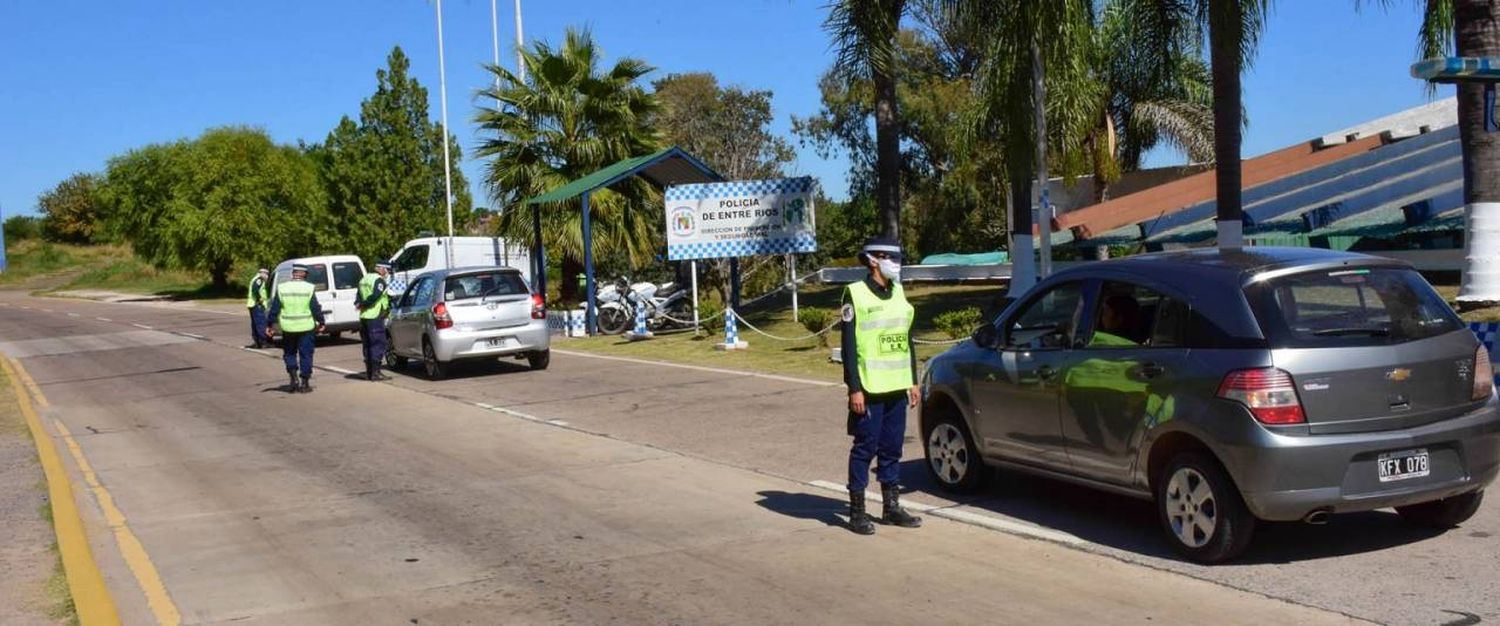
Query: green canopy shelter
x=666, y=168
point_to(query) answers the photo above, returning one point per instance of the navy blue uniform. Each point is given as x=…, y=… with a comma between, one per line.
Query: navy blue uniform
x=257, y=314
x=372, y=337
x=881, y=431
x=297, y=348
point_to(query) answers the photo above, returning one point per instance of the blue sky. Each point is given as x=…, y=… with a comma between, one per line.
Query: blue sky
x=82, y=81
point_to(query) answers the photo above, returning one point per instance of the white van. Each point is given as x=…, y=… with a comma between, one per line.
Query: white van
x=426, y=254
x=335, y=278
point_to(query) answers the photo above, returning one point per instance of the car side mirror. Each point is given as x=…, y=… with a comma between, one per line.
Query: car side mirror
x=987, y=337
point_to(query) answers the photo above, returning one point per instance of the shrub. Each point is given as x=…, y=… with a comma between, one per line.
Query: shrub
x=815, y=320
x=710, y=309
x=958, y=323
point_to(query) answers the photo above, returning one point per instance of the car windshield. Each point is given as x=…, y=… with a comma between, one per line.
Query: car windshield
x=496, y=283
x=1350, y=306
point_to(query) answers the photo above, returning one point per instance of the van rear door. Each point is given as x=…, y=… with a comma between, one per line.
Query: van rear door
x=1368, y=348
x=339, y=301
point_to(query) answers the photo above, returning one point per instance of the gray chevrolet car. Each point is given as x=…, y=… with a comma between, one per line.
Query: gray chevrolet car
x=1233, y=386
x=467, y=314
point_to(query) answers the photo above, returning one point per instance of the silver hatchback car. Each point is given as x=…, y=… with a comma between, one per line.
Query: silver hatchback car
x=1228, y=387
x=468, y=313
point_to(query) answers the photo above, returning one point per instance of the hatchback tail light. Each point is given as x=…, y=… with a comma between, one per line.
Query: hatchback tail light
x=538, y=307
x=440, y=317
x=1484, y=374
x=1267, y=392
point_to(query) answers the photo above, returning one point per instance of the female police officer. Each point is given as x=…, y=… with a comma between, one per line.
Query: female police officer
x=880, y=371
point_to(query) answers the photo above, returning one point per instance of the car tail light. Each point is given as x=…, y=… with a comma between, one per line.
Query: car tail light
x=440, y=317
x=1267, y=392
x=538, y=307
x=1484, y=374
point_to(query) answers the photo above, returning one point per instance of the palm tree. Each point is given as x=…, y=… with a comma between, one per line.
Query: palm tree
x=566, y=120
x=1471, y=28
x=864, y=34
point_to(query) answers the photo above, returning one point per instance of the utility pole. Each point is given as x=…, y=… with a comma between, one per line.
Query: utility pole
x=520, y=46
x=447, y=159
x=1044, y=206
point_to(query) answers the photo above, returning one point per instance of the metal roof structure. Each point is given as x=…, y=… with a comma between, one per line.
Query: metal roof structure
x=664, y=168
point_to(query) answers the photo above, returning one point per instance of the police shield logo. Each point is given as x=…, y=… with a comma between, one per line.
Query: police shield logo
x=847, y=313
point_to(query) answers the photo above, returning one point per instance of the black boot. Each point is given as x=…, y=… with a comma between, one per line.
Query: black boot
x=859, y=521
x=372, y=372
x=306, y=387
x=292, y=386
x=893, y=514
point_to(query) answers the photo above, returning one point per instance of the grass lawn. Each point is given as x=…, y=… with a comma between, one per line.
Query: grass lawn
x=1450, y=295
x=804, y=358
x=50, y=267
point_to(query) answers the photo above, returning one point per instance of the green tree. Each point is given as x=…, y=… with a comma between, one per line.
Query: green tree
x=230, y=196
x=384, y=173
x=71, y=210
x=21, y=227
x=1470, y=28
x=864, y=34
x=569, y=118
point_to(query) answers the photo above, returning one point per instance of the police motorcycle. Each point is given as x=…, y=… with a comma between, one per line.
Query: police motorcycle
x=667, y=305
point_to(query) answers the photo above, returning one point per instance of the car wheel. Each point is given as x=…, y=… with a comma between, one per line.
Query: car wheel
x=1445, y=513
x=1201, y=510
x=613, y=321
x=435, y=370
x=953, y=461
x=394, y=361
x=335, y=336
x=539, y=360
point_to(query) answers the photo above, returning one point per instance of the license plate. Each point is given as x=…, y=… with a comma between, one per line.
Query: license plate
x=500, y=342
x=1403, y=465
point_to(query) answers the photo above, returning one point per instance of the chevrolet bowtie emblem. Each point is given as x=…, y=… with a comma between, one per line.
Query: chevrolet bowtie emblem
x=1399, y=374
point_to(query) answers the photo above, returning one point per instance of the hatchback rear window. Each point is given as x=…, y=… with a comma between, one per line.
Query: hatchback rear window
x=1358, y=306
x=495, y=283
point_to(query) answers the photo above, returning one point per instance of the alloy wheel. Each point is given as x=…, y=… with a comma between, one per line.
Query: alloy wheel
x=1191, y=507
x=948, y=453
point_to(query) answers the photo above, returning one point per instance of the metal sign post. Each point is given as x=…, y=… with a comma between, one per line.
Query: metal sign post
x=791, y=276
x=694, y=265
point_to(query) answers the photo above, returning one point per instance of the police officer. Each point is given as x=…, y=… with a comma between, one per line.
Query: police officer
x=256, y=300
x=880, y=371
x=296, y=313
x=373, y=305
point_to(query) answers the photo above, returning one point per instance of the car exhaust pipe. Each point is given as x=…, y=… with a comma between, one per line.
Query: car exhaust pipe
x=1318, y=516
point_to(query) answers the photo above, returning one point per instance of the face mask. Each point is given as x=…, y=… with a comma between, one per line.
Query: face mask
x=890, y=269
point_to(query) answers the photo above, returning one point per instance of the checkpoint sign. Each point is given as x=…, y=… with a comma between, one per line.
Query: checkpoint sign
x=741, y=218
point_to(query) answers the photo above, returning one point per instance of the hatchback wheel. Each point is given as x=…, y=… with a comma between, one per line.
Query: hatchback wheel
x=1201, y=510
x=952, y=459
x=539, y=360
x=1445, y=513
x=435, y=369
x=395, y=361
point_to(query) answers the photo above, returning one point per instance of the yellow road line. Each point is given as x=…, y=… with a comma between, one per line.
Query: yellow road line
x=85, y=582
x=130, y=546
x=36, y=390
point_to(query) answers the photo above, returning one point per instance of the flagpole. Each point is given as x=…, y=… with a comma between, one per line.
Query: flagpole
x=520, y=46
x=447, y=159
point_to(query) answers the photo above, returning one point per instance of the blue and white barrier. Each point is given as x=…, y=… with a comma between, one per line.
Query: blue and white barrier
x=567, y=323
x=640, y=332
x=732, y=332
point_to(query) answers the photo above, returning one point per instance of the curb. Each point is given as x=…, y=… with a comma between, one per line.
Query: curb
x=85, y=582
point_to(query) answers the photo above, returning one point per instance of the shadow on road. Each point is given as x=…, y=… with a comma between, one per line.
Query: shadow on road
x=462, y=370
x=1131, y=525
x=804, y=506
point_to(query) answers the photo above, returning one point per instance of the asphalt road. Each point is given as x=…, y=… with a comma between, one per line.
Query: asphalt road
x=610, y=490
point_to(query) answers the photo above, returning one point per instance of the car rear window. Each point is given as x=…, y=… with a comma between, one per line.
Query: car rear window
x=1350, y=306
x=346, y=275
x=497, y=283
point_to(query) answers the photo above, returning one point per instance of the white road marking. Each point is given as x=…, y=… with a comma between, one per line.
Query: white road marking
x=48, y=311
x=557, y=422
x=700, y=368
x=339, y=370
x=968, y=516
x=192, y=335
x=74, y=315
x=143, y=327
x=104, y=319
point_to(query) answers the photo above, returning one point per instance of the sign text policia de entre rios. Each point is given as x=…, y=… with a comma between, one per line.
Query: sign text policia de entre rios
x=740, y=218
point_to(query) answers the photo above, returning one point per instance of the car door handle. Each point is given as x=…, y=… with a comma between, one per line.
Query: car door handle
x=1152, y=370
